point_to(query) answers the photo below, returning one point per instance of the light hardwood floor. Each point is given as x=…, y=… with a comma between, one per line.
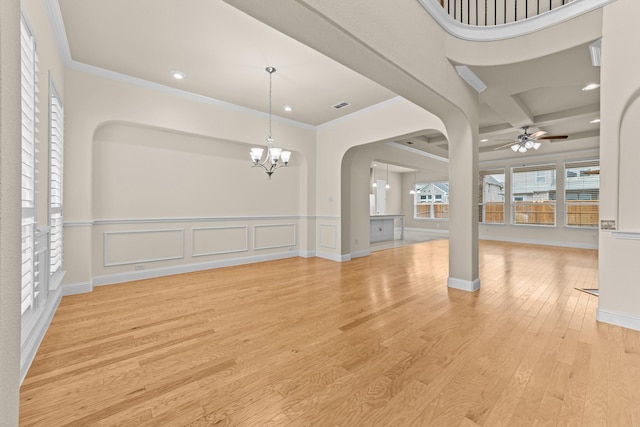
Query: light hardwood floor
x=378, y=340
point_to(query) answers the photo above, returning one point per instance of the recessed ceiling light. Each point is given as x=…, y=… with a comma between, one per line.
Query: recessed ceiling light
x=595, y=121
x=178, y=75
x=591, y=86
x=287, y=108
x=484, y=140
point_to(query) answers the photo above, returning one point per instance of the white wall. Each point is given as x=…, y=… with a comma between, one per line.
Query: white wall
x=164, y=199
x=10, y=252
x=620, y=88
x=136, y=154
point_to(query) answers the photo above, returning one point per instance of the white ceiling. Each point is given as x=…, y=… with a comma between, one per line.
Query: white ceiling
x=224, y=53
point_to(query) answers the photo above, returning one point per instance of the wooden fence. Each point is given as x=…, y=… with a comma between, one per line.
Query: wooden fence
x=582, y=214
x=492, y=213
x=433, y=210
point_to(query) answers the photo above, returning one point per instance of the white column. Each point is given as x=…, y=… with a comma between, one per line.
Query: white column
x=463, y=206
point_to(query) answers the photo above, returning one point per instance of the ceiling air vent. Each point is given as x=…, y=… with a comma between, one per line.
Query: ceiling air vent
x=341, y=105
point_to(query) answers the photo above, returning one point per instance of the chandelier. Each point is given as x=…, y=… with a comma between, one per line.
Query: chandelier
x=276, y=157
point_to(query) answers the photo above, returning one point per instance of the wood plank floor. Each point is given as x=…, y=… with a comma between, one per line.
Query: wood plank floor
x=378, y=340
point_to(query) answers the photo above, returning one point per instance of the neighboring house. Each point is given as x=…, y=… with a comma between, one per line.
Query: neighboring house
x=432, y=192
x=492, y=190
x=535, y=186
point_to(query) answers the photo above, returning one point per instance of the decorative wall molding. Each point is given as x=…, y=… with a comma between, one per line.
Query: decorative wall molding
x=331, y=233
x=111, y=279
x=626, y=235
x=256, y=229
x=463, y=285
x=619, y=319
x=124, y=221
x=105, y=255
x=78, y=224
x=513, y=29
x=241, y=248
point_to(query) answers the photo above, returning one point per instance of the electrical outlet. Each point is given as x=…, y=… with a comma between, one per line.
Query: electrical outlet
x=139, y=267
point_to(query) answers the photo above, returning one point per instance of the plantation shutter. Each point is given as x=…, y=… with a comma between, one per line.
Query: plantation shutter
x=56, y=150
x=29, y=88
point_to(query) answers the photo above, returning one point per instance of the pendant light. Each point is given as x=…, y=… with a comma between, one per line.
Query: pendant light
x=276, y=157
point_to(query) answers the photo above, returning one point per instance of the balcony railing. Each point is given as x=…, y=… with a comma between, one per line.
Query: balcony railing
x=496, y=12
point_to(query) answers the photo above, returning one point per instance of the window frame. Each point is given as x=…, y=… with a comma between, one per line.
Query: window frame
x=482, y=203
x=571, y=201
x=535, y=208
x=436, y=206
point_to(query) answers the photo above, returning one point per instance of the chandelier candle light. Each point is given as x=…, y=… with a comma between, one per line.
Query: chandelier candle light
x=276, y=157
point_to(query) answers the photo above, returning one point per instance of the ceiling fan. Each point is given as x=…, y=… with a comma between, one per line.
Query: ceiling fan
x=526, y=141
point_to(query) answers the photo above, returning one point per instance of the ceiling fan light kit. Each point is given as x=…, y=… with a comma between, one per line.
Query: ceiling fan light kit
x=528, y=141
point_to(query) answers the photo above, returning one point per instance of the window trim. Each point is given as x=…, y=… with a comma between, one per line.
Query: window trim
x=481, y=204
x=429, y=201
x=572, y=164
x=551, y=202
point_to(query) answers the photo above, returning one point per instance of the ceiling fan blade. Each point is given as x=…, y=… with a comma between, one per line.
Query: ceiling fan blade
x=538, y=134
x=502, y=140
x=505, y=146
x=553, y=137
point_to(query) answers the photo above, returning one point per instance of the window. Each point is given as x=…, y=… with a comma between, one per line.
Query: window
x=29, y=98
x=431, y=200
x=534, y=195
x=56, y=146
x=582, y=193
x=491, y=196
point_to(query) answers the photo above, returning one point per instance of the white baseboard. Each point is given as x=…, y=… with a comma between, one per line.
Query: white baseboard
x=360, y=254
x=619, y=319
x=77, y=288
x=435, y=231
x=541, y=242
x=463, y=285
x=111, y=279
x=32, y=342
x=334, y=257
x=307, y=254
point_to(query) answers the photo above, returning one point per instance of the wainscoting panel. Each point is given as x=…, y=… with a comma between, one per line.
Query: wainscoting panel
x=219, y=240
x=139, y=246
x=328, y=235
x=274, y=236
